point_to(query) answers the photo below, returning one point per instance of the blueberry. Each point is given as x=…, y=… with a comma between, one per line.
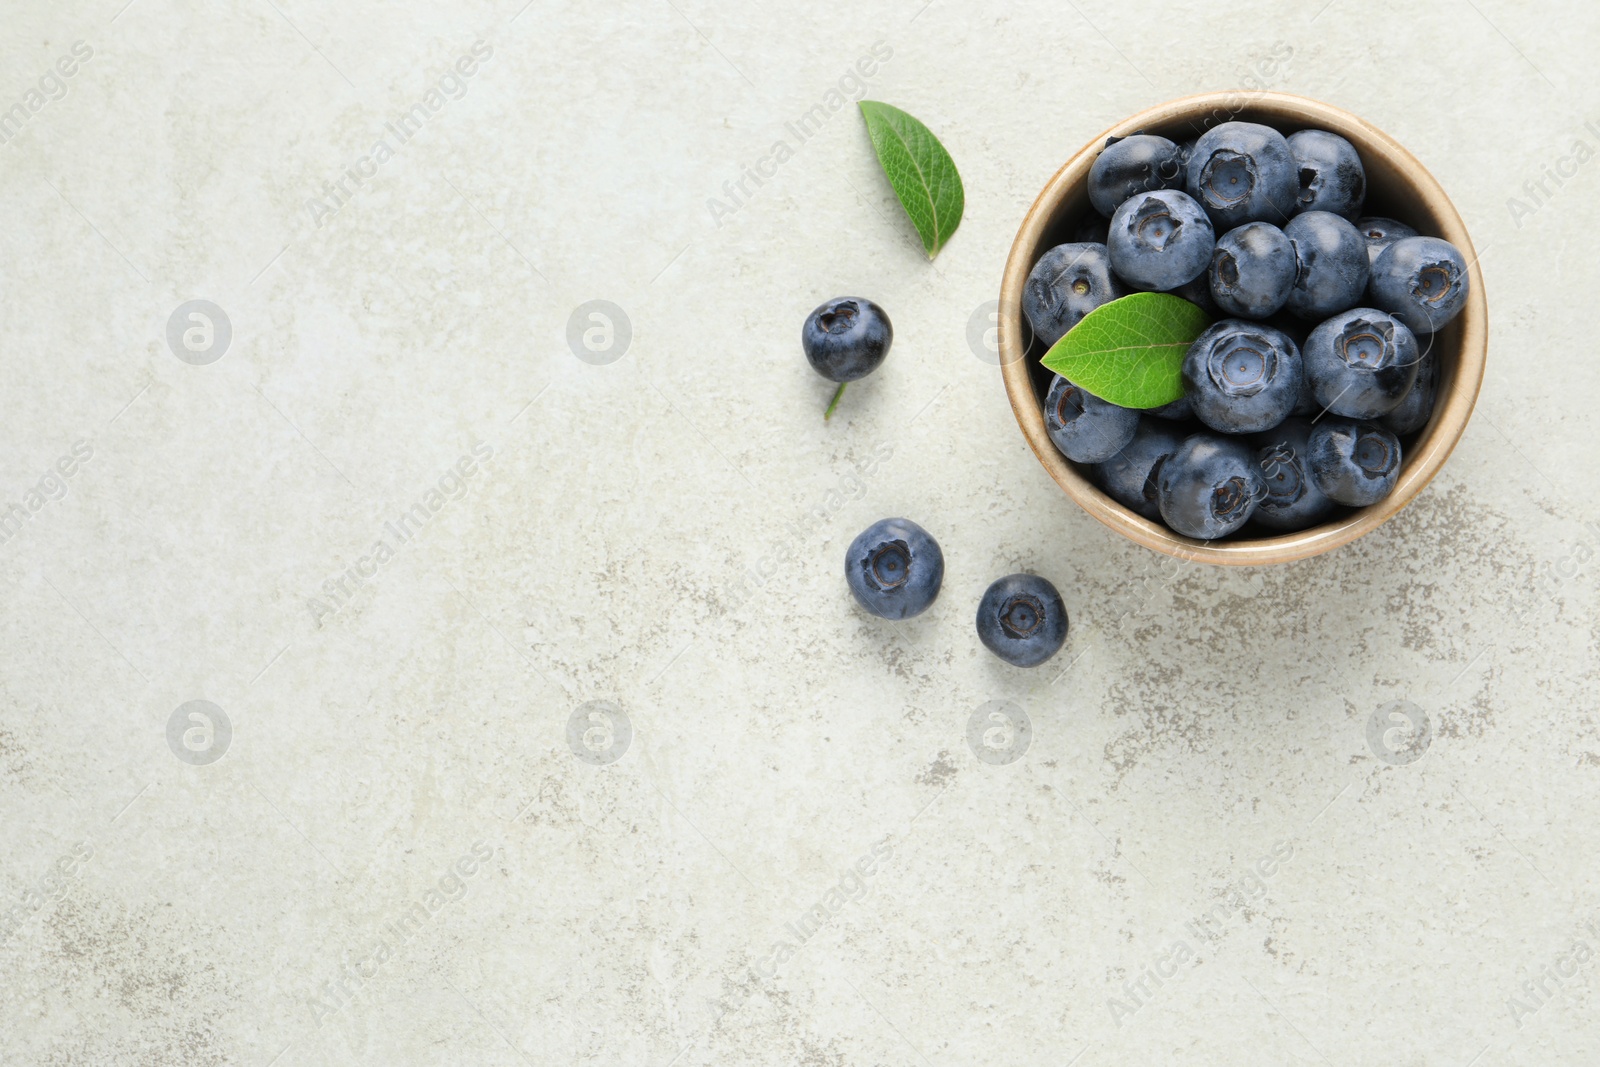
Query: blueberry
x=894, y=568
x=1354, y=463
x=1330, y=172
x=1129, y=477
x=1416, y=408
x=1141, y=163
x=1180, y=410
x=1209, y=487
x=1022, y=619
x=1160, y=240
x=1198, y=292
x=1252, y=270
x=1298, y=330
x=1243, y=172
x=1067, y=283
x=1085, y=428
x=847, y=338
x=1305, y=405
x=1422, y=281
x=1242, y=377
x=1293, y=501
x=1092, y=228
x=1361, y=363
x=1381, y=233
x=1332, y=264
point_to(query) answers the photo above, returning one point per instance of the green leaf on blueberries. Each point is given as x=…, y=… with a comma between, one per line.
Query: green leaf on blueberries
x=1131, y=350
x=920, y=170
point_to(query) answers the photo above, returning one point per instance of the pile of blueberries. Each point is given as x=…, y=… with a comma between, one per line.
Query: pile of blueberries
x=1296, y=399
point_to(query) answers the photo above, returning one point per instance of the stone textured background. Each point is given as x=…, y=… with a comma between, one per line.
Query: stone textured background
x=164, y=911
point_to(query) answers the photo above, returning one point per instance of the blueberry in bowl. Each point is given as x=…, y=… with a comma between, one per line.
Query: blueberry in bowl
x=1160, y=240
x=1253, y=270
x=1067, y=283
x=1242, y=377
x=1301, y=508
x=1292, y=500
x=1333, y=266
x=1330, y=171
x=1130, y=477
x=1085, y=428
x=1361, y=363
x=1353, y=463
x=1141, y=163
x=1422, y=281
x=1381, y=233
x=1243, y=172
x=1413, y=412
x=1209, y=487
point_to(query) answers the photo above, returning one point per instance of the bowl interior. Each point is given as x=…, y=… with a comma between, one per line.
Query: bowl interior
x=1397, y=187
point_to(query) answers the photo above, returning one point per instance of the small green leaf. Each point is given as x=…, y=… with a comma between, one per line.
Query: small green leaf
x=920, y=170
x=1131, y=350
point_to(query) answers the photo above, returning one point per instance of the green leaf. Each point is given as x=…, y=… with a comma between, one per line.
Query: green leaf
x=1131, y=350
x=920, y=170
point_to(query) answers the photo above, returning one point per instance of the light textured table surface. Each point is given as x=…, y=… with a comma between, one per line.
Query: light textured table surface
x=386, y=839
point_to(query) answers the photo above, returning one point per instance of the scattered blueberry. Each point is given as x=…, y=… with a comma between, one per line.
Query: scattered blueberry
x=1242, y=377
x=1333, y=264
x=1067, y=283
x=1330, y=172
x=1381, y=233
x=1354, y=463
x=1293, y=501
x=1422, y=281
x=894, y=568
x=846, y=339
x=1141, y=163
x=1129, y=477
x=1022, y=619
x=1209, y=487
x=1160, y=240
x=1413, y=412
x=1361, y=363
x=1085, y=428
x=1252, y=270
x=1243, y=172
